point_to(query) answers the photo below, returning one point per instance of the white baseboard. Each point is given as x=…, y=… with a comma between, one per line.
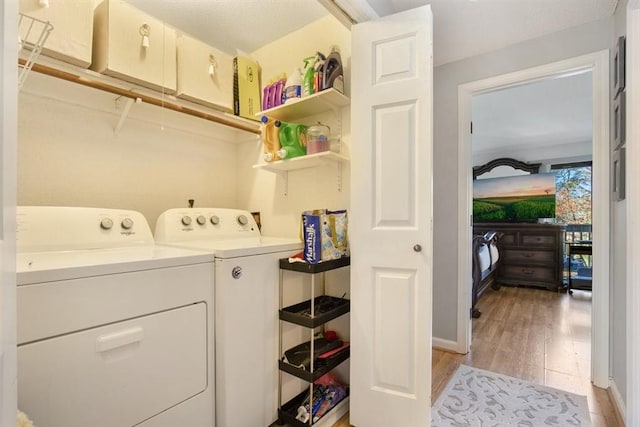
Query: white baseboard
x=616, y=397
x=442, y=344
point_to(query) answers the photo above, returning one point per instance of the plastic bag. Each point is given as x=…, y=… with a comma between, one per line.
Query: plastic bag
x=325, y=235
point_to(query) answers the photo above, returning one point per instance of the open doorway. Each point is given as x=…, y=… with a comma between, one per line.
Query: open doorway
x=597, y=64
x=547, y=126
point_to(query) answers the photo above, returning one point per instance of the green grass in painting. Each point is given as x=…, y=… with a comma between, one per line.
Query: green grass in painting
x=514, y=207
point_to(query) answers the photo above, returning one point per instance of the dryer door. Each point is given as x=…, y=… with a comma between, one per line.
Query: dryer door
x=116, y=375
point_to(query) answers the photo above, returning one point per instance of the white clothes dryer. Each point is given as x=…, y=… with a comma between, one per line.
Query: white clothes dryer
x=113, y=331
x=246, y=294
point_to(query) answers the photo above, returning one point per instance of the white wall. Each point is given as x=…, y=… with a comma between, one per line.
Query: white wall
x=68, y=153
x=309, y=188
x=551, y=48
x=260, y=190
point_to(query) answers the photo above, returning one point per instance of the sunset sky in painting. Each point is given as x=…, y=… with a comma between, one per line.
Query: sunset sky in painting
x=523, y=185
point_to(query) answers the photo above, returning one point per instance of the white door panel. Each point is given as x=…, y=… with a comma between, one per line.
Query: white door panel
x=394, y=299
x=394, y=172
x=391, y=236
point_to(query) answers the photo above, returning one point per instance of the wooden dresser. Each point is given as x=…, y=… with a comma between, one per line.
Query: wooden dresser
x=531, y=254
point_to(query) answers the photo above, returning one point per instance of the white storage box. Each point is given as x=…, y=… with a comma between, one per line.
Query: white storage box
x=121, y=50
x=205, y=74
x=72, y=20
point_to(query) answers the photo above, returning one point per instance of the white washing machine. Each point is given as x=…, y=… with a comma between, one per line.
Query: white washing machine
x=246, y=294
x=113, y=331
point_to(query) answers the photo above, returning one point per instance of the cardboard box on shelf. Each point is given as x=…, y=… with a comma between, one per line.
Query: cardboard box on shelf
x=246, y=88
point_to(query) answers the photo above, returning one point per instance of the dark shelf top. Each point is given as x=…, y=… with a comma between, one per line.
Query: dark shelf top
x=289, y=410
x=319, y=371
x=314, y=268
x=293, y=314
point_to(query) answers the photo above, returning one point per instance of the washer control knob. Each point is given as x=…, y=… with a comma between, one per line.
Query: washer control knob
x=201, y=220
x=214, y=220
x=242, y=220
x=186, y=220
x=127, y=223
x=106, y=223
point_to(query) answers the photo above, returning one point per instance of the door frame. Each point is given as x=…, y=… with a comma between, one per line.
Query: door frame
x=598, y=64
x=633, y=212
x=8, y=147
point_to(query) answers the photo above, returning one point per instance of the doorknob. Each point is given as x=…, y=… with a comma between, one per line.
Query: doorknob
x=417, y=248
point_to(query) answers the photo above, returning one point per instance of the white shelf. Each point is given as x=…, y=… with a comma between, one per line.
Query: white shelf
x=327, y=100
x=303, y=162
x=120, y=88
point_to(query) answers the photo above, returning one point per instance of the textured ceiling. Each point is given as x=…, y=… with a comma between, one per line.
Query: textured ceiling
x=464, y=28
x=551, y=112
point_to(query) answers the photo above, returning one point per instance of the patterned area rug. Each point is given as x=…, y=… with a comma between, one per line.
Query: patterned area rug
x=478, y=398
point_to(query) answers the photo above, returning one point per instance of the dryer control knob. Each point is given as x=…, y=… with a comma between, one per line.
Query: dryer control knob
x=201, y=220
x=127, y=223
x=242, y=220
x=186, y=220
x=214, y=220
x=106, y=223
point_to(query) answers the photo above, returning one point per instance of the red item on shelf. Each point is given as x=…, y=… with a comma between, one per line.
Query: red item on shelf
x=330, y=335
x=334, y=351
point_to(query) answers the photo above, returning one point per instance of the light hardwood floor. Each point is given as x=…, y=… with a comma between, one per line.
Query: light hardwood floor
x=533, y=334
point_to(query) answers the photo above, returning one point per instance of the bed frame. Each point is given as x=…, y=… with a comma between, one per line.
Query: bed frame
x=483, y=278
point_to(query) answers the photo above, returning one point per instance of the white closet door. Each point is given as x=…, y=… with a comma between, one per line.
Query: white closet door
x=391, y=236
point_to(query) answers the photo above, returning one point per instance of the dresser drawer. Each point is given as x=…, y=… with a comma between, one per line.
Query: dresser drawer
x=538, y=239
x=537, y=273
x=513, y=256
x=509, y=238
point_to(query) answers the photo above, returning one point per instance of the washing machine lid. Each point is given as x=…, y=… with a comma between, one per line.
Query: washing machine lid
x=66, y=242
x=228, y=233
x=179, y=225
x=244, y=247
x=48, y=266
x=72, y=228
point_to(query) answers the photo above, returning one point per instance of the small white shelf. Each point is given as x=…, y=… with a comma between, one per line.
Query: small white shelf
x=303, y=162
x=327, y=100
